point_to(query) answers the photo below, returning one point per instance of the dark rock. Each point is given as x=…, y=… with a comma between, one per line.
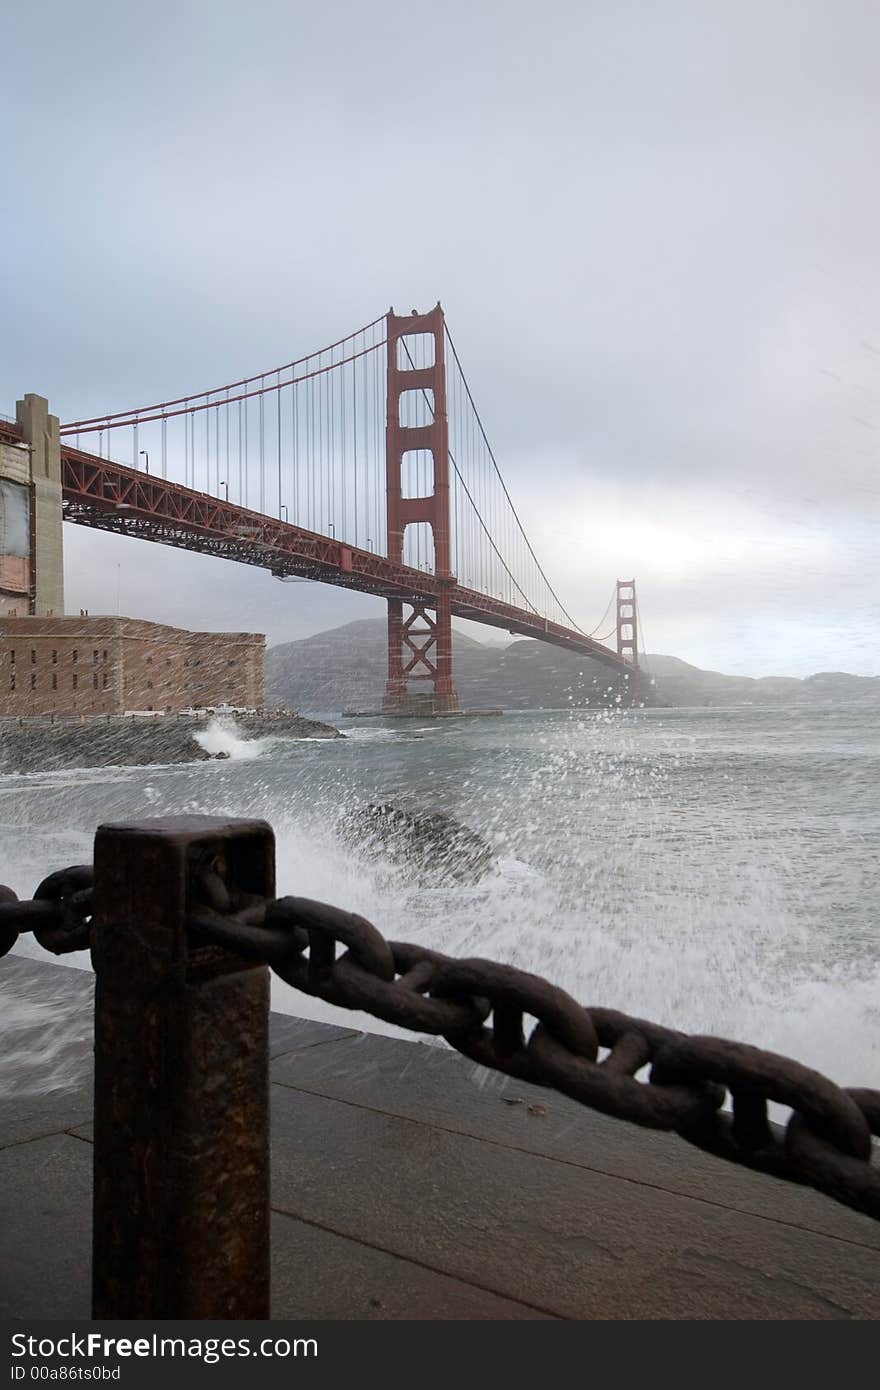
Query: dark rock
x=436, y=848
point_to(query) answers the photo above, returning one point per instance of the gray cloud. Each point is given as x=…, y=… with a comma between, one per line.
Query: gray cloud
x=654, y=231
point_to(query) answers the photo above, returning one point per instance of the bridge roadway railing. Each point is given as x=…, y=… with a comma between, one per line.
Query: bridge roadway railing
x=182, y=921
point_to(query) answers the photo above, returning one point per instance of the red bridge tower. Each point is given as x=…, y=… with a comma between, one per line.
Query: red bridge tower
x=627, y=622
x=420, y=644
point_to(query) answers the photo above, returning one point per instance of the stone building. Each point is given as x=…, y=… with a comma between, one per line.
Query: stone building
x=94, y=666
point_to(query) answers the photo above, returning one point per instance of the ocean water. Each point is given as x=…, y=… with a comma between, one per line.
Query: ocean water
x=714, y=870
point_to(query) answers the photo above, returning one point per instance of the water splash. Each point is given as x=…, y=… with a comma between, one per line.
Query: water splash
x=710, y=870
x=47, y=1034
x=221, y=738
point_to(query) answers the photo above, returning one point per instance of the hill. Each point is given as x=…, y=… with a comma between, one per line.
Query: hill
x=344, y=669
x=679, y=683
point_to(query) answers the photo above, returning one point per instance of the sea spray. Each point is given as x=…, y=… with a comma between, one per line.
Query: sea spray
x=712, y=870
x=221, y=739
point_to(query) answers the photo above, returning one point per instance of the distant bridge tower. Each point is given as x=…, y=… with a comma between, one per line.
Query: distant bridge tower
x=627, y=622
x=420, y=644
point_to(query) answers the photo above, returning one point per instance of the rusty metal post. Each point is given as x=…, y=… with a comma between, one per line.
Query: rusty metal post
x=181, y=1154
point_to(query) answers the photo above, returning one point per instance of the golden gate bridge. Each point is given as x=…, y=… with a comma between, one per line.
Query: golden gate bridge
x=365, y=465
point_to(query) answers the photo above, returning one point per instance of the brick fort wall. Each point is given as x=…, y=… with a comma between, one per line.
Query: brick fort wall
x=108, y=665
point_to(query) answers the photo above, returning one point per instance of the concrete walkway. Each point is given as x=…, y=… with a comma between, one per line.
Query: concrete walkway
x=407, y=1183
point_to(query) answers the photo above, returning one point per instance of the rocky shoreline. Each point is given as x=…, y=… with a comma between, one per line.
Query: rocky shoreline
x=46, y=745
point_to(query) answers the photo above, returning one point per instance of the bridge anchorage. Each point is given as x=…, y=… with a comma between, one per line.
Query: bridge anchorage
x=364, y=464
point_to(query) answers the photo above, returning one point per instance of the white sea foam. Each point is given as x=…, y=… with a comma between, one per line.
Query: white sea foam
x=359, y=734
x=741, y=976
x=220, y=736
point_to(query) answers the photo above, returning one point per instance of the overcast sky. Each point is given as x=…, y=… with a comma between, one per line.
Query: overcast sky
x=653, y=228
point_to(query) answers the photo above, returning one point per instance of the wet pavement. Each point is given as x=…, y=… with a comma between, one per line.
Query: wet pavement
x=409, y=1183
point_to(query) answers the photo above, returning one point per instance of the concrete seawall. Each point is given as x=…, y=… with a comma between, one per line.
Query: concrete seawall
x=44, y=745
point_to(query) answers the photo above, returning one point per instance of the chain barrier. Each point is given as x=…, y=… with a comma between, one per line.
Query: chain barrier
x=594, y=1055
x=59, y=914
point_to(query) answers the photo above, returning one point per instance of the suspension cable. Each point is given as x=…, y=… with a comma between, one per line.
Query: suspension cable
x=467, y=388
x=513, y=580
x=603, y=617
x=232, y=385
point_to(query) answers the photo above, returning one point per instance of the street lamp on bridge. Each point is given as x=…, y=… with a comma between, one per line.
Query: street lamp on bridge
x=146, y=455
x=285, y=511
x=223, y=483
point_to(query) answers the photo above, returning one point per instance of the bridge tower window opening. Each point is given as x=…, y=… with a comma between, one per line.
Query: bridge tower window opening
x=416, y=408
x=417, y=473
x=418, y=546
x=415, y=352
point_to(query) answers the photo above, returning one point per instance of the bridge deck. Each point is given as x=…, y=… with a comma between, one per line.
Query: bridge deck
x=408, y=1184
x=111, y=497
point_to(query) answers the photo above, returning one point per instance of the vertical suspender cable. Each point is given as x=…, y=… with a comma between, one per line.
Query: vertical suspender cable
x=262, y=447
x=247, y=460
x=294, y=434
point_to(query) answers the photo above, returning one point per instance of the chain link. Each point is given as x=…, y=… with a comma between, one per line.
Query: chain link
x=596, y=1056
x=480, y=1008
x=59, y=914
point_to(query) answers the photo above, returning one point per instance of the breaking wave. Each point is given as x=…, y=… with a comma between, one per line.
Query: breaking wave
x=682, y=869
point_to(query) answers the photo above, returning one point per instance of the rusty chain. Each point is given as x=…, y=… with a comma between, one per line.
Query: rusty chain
x=479, y=1007
x=59, y=914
